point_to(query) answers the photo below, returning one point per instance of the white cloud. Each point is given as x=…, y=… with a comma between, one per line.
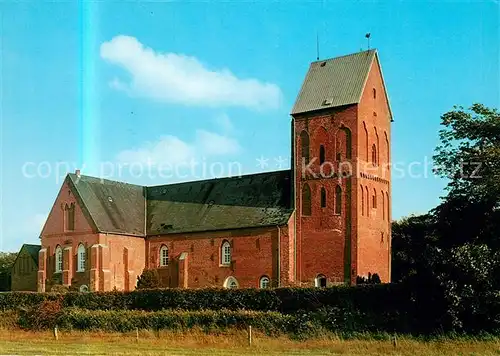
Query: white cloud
x=174, y=151
x=224, y=122
x=182, y=79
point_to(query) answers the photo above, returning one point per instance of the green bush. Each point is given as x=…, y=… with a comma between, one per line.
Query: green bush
x=271, y=323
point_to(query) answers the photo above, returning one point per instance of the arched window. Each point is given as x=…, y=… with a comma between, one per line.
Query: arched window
x=374, y=93
x=163, y=256
x=322, y=154
x=383, y=205
x=225, y=253
x=388, y=159
x=367, y=202
x=374, y=155
x=323, y=198
x=338, y=200
x=388, y=208
x=374, y=204
x=231, y=283
x=362, y=201
x=366, y=140
x=306, y=200
x=264, y=282
x=320, y=281
x=81, y=258
x=69, y=218
x=304, y=142
x=59, y=259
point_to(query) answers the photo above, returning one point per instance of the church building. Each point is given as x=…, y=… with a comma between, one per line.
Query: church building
x=325, y=221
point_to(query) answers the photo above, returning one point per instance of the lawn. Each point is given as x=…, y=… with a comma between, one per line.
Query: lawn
x=235, y=343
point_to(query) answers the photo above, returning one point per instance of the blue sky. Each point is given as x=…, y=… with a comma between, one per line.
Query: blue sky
x=98, y=85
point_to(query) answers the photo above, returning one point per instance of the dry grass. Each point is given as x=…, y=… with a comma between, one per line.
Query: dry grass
x=230, y=343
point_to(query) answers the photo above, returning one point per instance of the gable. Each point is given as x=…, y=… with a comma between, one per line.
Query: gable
x=27, y=251
x=55, y=220
x=334, y=82
x=375, y=80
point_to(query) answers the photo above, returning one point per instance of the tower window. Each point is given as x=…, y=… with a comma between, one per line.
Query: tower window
x=306, y=200
x=362, y=201
x=323, y=198
x=338, y=200
x=374, y=203
x=321, y=154
x=374, y=155
x=374, y=93
x=304, y=142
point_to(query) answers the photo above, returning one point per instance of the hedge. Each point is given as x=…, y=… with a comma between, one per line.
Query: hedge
x=377, y=298
x=303, y=324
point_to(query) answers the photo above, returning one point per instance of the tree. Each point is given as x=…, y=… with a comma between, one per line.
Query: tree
x=149, y=279
x=469, y=156
x=6, y=261
x=449, y=257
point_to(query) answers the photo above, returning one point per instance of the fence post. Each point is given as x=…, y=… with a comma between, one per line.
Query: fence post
x=136, y=334
x=249, y=335
x=56, y=336
x=395, y=341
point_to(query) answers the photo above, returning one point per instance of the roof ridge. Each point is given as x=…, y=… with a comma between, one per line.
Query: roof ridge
x=104, y=179
x=345, y=55
x=218, y=179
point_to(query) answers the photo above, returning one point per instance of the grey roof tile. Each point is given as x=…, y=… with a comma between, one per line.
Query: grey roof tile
x=339, y=81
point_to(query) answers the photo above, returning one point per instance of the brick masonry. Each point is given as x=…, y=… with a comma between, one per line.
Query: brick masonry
x=340, y=245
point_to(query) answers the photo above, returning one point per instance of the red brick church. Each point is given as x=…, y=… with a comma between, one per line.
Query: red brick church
x=325, y=221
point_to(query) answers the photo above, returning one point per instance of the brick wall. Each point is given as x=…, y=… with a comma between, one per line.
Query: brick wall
x=254, y=254
x=374, y=222
x=55, y=234
x=24, y=272
x=323, y=237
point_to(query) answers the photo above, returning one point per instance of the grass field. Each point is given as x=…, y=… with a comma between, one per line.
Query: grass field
x=235, y=343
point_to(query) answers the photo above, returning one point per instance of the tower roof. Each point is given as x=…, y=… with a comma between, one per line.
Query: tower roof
x=334, y=82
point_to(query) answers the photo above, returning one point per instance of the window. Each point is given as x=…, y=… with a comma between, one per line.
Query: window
x=388, y=209
x=383, y=205
x=367, y=202
x=362, y=201
x=264, y=282
x=231, y=283
x=338, y=200
x=374, y=203
x=70, y=217
x=323, y=198
x=226, y=253
x=321, y=154
x=320, y=281
x=304, y=141
x=306, y=200
x=374, y=93
x=81, y=258
x=59, y=259
x=164, y=256
x=374, y=155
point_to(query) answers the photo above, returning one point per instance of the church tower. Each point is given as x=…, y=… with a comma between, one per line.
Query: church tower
x=341, y=165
